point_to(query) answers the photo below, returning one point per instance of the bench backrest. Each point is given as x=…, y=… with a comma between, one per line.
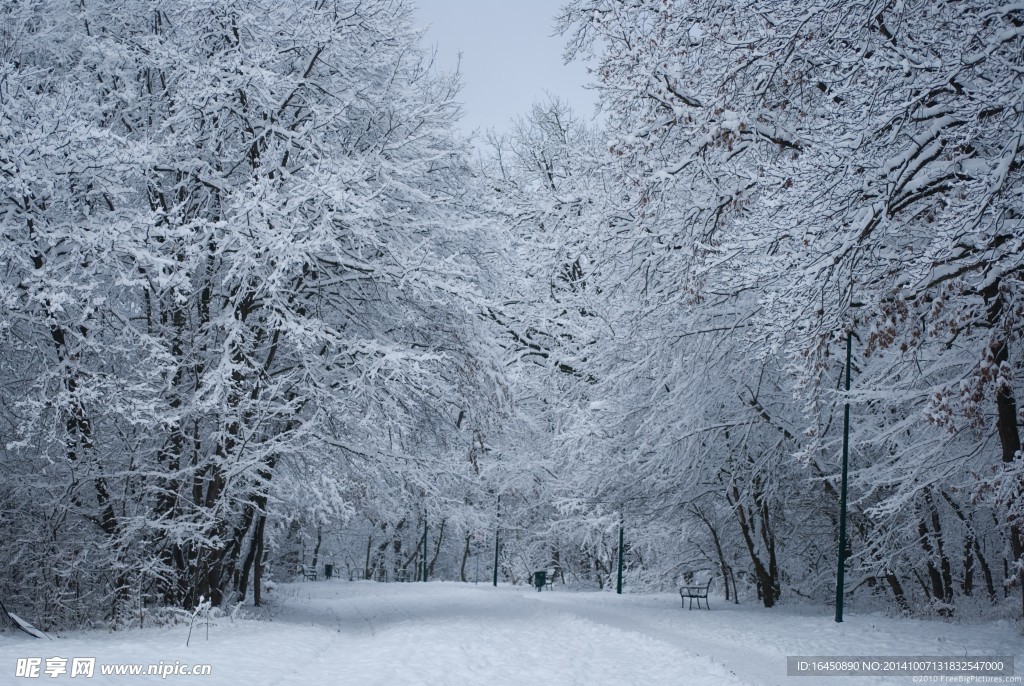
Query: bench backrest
x=698, y=588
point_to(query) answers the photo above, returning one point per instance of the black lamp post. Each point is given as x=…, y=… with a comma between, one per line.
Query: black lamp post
x=618, y=584
x=841, y=573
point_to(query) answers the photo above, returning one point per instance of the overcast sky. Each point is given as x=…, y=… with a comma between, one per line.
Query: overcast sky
x=509, y=57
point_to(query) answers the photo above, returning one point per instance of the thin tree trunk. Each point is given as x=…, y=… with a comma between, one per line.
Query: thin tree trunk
x=767, y=585
x=716, y=541
x=945, y=568
x=316, y=550
x=243, y=577
x=465, y=557
x=437, y=550
x=971, y=537
x=257, y=572
x=366, y=565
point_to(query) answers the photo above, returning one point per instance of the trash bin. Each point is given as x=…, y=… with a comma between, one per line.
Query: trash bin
x=540, y=579
x=328, y=571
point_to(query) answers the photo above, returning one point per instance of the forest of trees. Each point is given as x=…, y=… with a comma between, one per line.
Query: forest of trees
x=262, y=304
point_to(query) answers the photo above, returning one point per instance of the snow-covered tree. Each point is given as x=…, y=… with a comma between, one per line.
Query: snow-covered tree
x=824, y=168
x=238, y=285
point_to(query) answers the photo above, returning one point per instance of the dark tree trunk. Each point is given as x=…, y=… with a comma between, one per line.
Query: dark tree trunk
x=897, y=591
x=437, y=550
x=766, y=577
x=717, y=542
x=243, y=583
x=316, y=549
x=465, y=557
x=1006, y=425
x=257, y=572
x=945, y=568
x=366, y=564
x=935, y=590
x=234, y=550
x=971, y=540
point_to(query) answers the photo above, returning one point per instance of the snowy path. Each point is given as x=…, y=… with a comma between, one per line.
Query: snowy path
x=396, y=634
x=452, y=634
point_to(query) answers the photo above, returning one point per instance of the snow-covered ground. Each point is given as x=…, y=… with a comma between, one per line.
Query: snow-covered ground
x=365, y=633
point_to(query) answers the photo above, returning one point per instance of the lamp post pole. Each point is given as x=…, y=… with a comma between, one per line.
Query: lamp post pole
x=618, y=583
x=424, y=546
x=497, y=530
x=841, y=572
